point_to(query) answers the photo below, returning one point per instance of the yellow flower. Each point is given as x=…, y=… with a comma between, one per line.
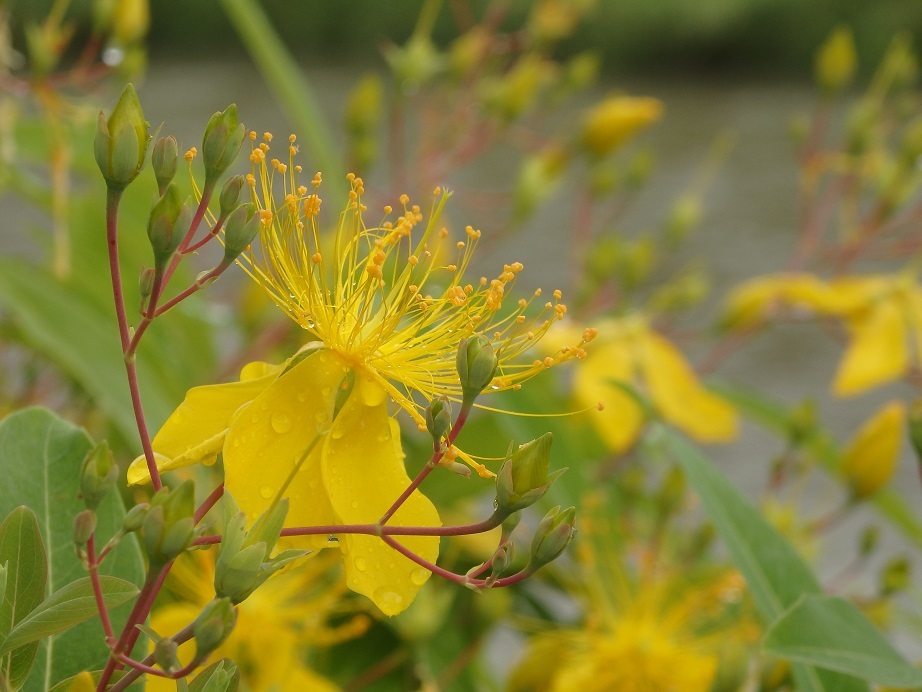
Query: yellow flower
x=870, y=459
x=290, y=614
x=383, y=312
x=616, y=120
x=629, y=351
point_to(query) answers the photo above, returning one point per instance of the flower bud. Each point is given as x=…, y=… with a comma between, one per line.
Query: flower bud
x=616, y=120
x=896, y=575
x=146, y=284
x=241, y=227
x=163, y=159
x=134, y=517
x=169, y=528
x=231, y=194
x=165, y=655
x=438, y=418
x=476, y=363
x=213, y=626
x=523, y=478
x=84, y=526
x=169, y=222
x=97, y=475
x=121, y=141
x=221, y=143
x=870, y=459
x=553, y=535
x=835, y=61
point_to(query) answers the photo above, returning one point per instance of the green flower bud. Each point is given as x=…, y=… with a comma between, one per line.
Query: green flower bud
x=134, y=517
x=213, y=626
x=221, y=143
x=231, y=194
x=502, y=560
x=97, y=475
x=163, y=159
x=476, y=363
x=553, y=535
x=169, y=528
x=241, y=227
x=896, y=575
x=523, y=478
x=84, y=526
x=165, y=654
x=146, y=283
x=121, y=141
x=169, y=222
x=438, y=418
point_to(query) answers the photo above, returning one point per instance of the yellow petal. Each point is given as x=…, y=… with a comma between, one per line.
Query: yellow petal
x=273, y=445
x=195, y=432
x=753, y=302
x=619, y=423
x=870, y=459
x=876, y=352
x=678, y=395
x=364, y=473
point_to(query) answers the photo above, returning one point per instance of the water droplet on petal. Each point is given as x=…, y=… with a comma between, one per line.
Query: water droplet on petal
x=390, y=602
x=373, y=394
x=384, y=437
x=355, y=504
x=236, y=442
x=264, y=406
x=265, y=492
x=360, y=564
x=419, y=576
x=325, y=391
x=281, y=422
x=302, y=397
x=337, y=432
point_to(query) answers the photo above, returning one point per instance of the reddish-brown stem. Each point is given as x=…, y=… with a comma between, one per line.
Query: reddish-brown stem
x=209, y=502
x=93, y=562
x=113, y=198
x=180, y=637
x=213, y=233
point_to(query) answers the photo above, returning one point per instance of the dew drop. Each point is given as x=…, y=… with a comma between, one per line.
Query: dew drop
x=419, y=576
x=360, y=564
x=355, y=504
x=236, y=442
x=325, y=391
x=281, y=422
x=337, y=432
x=265, y=492
x=384, y=437
x=373, y=394
x=264, y=406
x=312, y=483
x=302, y=397
x=390, y=602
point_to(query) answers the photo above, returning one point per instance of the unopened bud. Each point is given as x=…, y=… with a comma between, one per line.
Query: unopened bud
x=553, y=535
x=895, y=576
x=163, y=159
x=616, y=120
x=169, y=528
x=836, y=60
x=870, y=459
x=169, y=221
x=134, y=517
x=457, y=468
x=438, y=418
x=121, y=141
x=213, y=626
x=231, y=194
x=523, y=478
x=165, y=655
x=241, y=227
x=146, y=283
x=476, y=363
x=84, y=526
x=97, y=475
x=221, y=143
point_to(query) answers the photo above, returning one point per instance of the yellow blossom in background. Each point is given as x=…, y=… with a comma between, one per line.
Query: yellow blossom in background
x=275, y=625
x=629, y=351
x=870, y=459
x=382, y=315
x=836, y=60
x=616, y=120
x=759, y=300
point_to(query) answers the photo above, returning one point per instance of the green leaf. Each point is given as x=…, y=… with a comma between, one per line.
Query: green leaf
x=774, y=572
x=830, y=632
x=23, y=554
x=40, y=458
x=220, y=676
x=67, y=607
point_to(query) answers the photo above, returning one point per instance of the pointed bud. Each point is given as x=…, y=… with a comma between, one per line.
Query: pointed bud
x=165, y=655
x=241, y=227
x=163, y=160
x=169, y=222
x=213, y=626
x=553, y=535
x=231, y=194
x=121, y=141
x=168, y=528
x=476, y=363
x=221, y=143
x=146, y=284
x=438, y=418
x=97, y=475
x=84, y=526
x=134, y=517
x=523, y=478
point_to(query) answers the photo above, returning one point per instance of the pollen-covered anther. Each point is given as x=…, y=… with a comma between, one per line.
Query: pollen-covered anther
x=537, y=293
x=443, y=233
x=601, y=406
x=471, y=233
x=302, y=190
x=548, y=362
x=520, y=319
x=557, y=294
x=312, y=205
x=318, y=178
x=267, y=136
x=580, y=352
x=460, y=244
x=456, y=296
x=560, y=309
x=404, y=199
x=265, y=217
x=263, y=147
x=413, y=260
x=316, y=258
x=251, y=179
x=388, y=209
x=452, y=267
x=252, y=135
x=191, y=154
x=257, y=156
x=589, y=334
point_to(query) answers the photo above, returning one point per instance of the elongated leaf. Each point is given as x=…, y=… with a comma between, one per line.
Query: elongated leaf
x=23, y=554
x=830, y=632
x=67, y=607
x=40, y=459
x=774, y=572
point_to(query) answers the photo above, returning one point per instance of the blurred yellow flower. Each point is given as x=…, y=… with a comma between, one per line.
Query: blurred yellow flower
x=317, y=429
x=836, y=60
x=629, y=351
x=870, y=459
x=616, y=120
x=275, y=625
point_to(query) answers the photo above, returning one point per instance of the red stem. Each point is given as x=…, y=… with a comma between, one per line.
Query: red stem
x=97, y=590
x=209, y=502
x=180, y=637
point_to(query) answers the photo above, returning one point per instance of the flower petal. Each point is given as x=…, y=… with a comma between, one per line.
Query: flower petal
x=619, y=423
x=264, y=453
x=870, y=459
x=195, y=431
x=877, y=351
x=678, y=395
x=364, y=473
